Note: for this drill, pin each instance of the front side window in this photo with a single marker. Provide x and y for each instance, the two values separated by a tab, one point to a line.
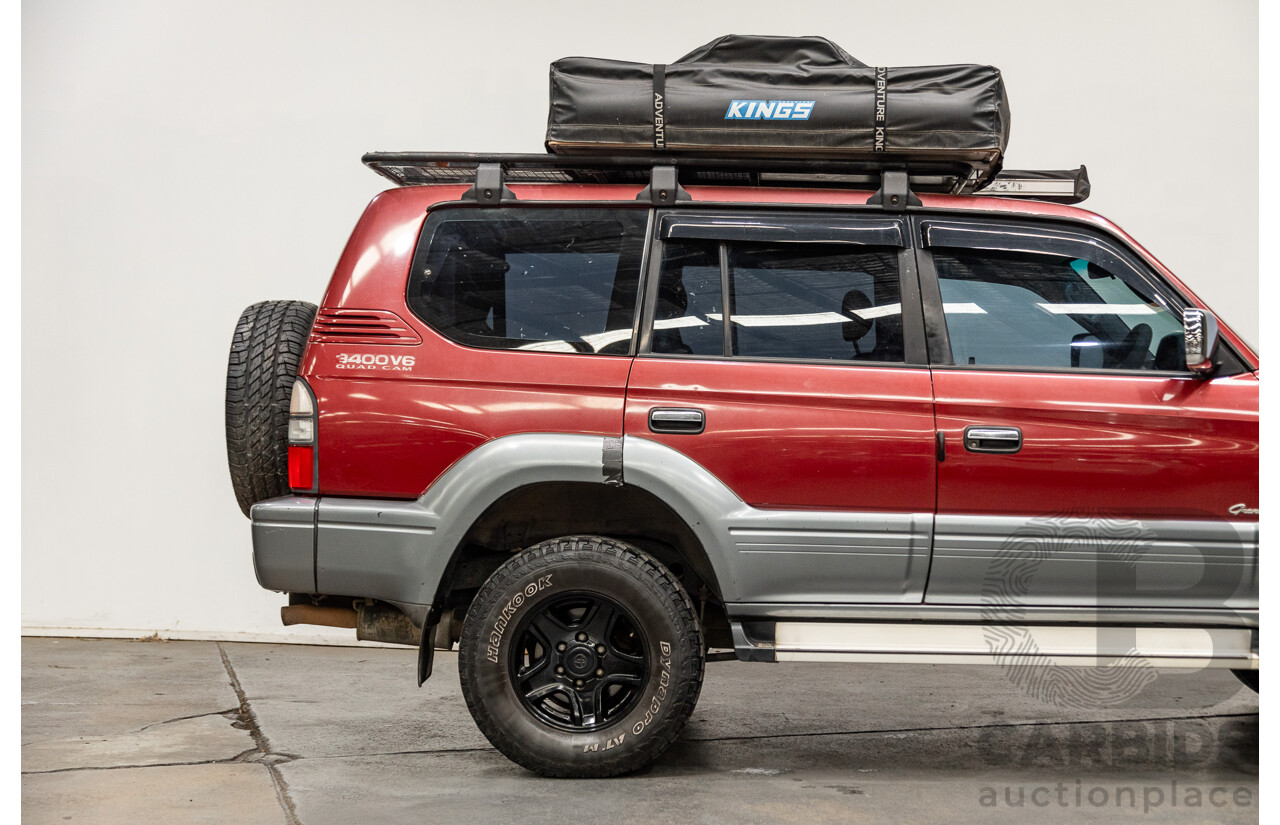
1029	309
794	301
552	280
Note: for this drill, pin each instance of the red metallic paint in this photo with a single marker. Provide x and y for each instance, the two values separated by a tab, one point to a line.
384	433
799	436
781	435
1125	445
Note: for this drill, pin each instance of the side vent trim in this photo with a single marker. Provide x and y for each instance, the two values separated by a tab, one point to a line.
362	326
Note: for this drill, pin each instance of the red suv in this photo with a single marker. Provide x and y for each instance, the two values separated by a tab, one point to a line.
594	418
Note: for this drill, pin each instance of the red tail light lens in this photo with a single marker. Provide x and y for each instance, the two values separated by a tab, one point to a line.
301	460
302	438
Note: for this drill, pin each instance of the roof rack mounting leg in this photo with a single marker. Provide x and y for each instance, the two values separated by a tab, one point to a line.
894	194
489	187
664	187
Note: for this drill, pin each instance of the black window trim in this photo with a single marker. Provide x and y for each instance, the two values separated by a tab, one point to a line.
775	227
1025	234
811	220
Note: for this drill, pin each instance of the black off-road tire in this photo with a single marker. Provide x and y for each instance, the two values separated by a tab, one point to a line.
518	600
265	353
1249	678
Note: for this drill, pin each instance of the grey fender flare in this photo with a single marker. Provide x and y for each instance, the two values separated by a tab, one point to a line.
703	501
400	551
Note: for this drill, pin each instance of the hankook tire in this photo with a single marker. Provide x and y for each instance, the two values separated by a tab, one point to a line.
581	656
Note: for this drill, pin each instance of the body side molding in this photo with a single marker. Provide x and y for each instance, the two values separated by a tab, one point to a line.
1206	563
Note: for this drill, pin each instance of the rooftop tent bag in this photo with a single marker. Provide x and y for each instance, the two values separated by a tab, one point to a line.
782	97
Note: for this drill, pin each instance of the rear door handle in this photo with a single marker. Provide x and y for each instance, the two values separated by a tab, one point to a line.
685	420
981	439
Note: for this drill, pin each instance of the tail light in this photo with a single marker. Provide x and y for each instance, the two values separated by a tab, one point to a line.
302	438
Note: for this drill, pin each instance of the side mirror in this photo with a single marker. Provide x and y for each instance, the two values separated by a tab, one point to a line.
1200	340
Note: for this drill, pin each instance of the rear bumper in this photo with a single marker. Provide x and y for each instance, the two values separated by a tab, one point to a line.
284	543
367	548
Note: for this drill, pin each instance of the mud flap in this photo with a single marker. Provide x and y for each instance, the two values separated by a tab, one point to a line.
426	650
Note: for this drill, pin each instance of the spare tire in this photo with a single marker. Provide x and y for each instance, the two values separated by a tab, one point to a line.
265	353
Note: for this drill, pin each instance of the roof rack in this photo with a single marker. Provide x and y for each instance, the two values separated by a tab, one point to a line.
417	168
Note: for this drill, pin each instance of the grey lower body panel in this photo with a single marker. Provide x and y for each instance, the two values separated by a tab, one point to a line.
366	548
831	557
378	549
346	547
284	544
1094	561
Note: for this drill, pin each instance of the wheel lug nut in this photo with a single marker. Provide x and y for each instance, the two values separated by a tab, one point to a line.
599	671
561	646
582	637
600	649
559	668
579	683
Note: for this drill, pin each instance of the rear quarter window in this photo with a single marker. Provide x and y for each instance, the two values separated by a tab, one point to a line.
551	280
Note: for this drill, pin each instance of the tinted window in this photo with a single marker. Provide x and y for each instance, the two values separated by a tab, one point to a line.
559	280
689	313
1035	310
800	301
807	301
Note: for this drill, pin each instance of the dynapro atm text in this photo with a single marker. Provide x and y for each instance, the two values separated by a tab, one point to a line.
769	110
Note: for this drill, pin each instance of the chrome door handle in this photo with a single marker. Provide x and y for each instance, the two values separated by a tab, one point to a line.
686	420
992	439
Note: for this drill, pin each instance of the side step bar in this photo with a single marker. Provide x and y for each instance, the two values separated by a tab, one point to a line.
977	644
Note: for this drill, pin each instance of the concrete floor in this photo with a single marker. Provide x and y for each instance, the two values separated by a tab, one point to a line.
204	732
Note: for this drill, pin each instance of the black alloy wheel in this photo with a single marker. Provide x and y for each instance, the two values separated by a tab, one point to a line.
579	662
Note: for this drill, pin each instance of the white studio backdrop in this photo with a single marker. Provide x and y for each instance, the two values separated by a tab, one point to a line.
183	160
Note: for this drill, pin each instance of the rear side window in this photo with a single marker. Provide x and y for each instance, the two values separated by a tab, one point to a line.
552	280
815	301
794	301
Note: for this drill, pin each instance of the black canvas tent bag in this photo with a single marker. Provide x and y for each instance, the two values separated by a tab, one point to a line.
781	97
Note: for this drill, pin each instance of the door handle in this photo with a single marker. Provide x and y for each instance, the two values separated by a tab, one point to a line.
992	439
685	420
